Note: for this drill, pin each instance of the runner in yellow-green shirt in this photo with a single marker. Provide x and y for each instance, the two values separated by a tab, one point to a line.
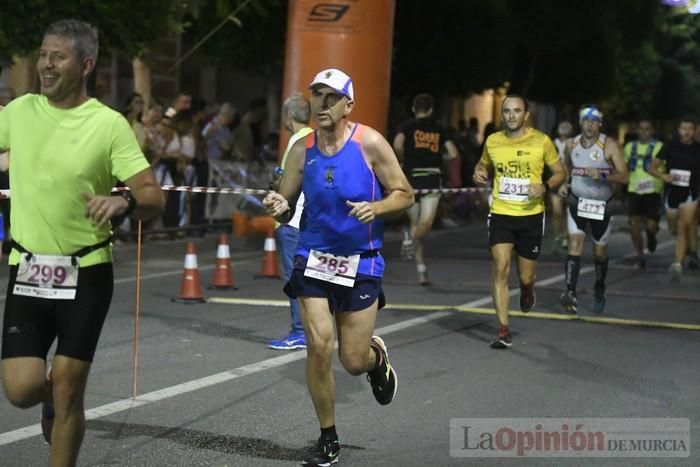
68	151
643	189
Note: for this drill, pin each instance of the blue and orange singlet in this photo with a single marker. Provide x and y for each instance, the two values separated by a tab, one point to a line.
330	181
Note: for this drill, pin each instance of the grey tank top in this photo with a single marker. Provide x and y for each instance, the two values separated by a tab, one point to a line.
583	186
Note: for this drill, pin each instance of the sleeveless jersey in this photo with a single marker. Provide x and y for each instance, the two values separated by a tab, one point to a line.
582	158
330	181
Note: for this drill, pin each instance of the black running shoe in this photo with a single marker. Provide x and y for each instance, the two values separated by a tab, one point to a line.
527	298
47	416
651	242
569	302
383	380
325	453
502	342
693	262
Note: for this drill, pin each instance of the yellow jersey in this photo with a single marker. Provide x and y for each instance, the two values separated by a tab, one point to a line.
517	163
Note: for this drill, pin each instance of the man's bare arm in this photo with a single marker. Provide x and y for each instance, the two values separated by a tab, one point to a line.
559	175
144	189
614	154
150	200
386	166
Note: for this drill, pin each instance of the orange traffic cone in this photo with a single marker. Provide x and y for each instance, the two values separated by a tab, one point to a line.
223	277
270	269
190	291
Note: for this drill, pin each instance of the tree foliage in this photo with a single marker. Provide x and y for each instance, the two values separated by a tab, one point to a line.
130	26
252	40
678	89
633	56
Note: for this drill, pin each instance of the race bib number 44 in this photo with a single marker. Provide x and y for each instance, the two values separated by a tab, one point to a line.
44	276
680	177
591	209
514	189
340	270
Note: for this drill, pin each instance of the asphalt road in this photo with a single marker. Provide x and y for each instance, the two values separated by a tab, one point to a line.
209	392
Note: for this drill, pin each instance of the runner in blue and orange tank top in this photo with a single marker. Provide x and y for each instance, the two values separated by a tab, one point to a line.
351	179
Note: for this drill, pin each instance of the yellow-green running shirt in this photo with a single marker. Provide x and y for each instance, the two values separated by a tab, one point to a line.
55	155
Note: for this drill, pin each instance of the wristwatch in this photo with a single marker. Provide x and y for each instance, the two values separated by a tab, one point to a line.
131	202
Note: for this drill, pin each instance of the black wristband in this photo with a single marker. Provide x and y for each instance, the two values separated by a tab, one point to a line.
131	202
546	186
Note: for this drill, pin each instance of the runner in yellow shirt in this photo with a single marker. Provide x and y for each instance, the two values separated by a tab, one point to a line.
515	158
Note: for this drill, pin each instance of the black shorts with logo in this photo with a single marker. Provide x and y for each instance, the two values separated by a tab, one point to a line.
524	232
366	291
647	205
677	195
31	324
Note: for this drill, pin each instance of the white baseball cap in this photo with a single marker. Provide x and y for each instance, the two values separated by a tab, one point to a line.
336	80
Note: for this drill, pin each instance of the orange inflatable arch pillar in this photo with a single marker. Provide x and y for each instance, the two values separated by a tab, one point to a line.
352	35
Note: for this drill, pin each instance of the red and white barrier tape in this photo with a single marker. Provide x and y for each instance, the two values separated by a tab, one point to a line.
5	194
465	189
251	191
205	189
